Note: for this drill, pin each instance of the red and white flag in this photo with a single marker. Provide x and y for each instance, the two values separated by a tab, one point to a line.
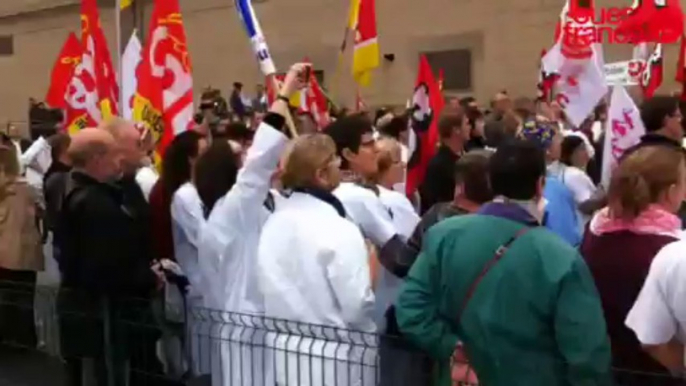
652	74
164	100
97	53
681	68
624	130
427	103
653	21
578	63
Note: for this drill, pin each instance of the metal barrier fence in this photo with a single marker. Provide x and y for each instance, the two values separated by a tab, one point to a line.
56	337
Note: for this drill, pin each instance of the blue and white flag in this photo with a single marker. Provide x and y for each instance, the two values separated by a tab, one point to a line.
259	44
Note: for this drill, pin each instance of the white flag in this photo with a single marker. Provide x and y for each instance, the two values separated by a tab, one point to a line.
624	129
129	81
581	82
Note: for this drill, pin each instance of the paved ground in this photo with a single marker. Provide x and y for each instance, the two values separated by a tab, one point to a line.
29	368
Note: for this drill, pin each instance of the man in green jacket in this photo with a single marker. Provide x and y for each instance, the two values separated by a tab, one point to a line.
520	299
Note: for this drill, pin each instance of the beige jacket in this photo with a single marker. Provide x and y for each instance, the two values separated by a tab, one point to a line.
21	247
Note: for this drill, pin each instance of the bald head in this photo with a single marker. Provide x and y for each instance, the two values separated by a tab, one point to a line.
93	151
129	143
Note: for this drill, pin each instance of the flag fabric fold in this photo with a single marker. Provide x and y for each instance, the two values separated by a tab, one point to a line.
652	73
578	64
254	31
624	130
63	71
426	105
164	96
97	52
366	55
653	21
129	81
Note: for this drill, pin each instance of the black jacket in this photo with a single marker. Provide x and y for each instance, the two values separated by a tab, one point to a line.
103	239
439	181
54	182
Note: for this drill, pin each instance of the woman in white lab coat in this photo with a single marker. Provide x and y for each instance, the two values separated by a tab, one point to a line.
314	269
228	245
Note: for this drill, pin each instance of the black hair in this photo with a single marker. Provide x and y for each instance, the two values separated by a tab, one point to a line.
239	131
466	101
347	133
215	174
176	166
395	126
474	115
472	171
656	109
569	145
516	168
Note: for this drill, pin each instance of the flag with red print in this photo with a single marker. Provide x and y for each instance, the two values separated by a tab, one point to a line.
95	47
546	81
652	74
653	21
427	103
624	130
63	71
578	62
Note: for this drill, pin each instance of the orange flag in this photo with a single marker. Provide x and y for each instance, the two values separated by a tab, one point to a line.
96	51
164	99
63	71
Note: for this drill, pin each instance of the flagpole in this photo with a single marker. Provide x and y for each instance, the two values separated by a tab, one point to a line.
117	21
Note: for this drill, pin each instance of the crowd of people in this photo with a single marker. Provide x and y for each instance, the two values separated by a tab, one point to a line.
511	256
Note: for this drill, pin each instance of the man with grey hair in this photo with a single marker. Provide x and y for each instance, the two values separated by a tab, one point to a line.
102	252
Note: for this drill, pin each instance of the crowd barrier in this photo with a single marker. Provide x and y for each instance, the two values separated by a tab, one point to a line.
68	338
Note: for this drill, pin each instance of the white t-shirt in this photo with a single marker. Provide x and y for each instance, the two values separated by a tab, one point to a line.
659	313
581	186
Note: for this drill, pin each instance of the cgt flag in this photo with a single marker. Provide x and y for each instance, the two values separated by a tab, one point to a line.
366	55
427	103
95	48
164	99
63	71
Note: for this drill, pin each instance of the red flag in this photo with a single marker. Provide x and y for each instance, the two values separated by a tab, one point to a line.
96	51
63	71
164	100
316	103
427	103
81	108
656	21
652	75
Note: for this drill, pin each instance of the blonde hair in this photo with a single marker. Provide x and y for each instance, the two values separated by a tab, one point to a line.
641	178
308	154
388	147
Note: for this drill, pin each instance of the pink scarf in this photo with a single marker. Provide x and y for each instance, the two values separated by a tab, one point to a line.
654	220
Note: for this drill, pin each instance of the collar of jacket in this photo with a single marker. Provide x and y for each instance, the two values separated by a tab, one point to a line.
509	211
350	176
325	196
658	139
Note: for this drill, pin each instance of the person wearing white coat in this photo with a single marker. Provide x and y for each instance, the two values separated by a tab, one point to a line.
314	269
227	253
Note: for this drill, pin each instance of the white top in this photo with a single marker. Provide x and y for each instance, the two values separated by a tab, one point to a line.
147	177
581	186
366	210
187	219
659	313
314	266
230	237
405	220
404	217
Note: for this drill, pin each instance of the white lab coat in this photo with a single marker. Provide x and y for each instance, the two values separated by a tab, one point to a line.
227	257
187	219
313	269
365	209
405	220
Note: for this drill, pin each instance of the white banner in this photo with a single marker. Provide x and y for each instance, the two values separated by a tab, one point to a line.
626	73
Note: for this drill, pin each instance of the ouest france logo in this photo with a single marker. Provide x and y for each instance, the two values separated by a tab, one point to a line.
612	25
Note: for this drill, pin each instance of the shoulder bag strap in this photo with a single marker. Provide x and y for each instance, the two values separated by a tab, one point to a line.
499	253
